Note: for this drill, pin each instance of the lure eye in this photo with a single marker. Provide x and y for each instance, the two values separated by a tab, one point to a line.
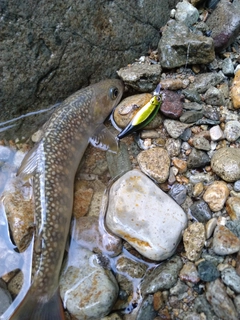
113	93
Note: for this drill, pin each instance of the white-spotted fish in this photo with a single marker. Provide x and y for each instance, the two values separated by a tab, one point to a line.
53	163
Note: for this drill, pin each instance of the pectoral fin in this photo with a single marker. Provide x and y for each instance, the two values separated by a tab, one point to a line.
104	139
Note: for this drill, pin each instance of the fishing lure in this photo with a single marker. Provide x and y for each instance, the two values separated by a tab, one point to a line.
144	115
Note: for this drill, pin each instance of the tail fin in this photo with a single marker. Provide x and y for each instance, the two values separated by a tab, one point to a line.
31	309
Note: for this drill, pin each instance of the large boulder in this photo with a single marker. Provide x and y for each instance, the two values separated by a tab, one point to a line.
50	48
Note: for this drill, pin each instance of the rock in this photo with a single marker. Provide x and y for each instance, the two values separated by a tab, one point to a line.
178	192
172	105
82	201
194	106
224	241
208	271
142	77
179	288
180	164
155	163
201	177
232	130
87	289
200	211
200	142
162	277
185	136
172	84
227	67
211	113
236	186
193	240
210	226
226	164
234	227
213	96
197	159
173	147
128	108
216	133
191	116
130	268
146	311
220	301
235	90
224	23
231	279
192	95
204	81
54	57
5	299
233	207
175	128
189	273
178	46
201	305
132	215
186	13
197	190
89	233
119	162
216	195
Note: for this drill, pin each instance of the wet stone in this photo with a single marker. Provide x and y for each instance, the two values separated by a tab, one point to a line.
132	215
130	268
233	207
191	116
155	163
189	273
234	227
231	279
118	162
175	128
197	159
208	271
82	201
222	305
226	163
201	211
227	67
178	192
193	240
232	130
172	105
213	96
163	277
173	147
82	274
201	305
216	195
224	241
146	311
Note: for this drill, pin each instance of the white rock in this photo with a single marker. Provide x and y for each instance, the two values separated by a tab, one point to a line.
145	216
232	130
216	133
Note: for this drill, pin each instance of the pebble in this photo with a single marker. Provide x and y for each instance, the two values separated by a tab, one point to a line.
172	105
173	147
178	192
194	106
155	163
146	311
234	227
189	273
200	177
211	112
194	240
206	80
233	207
197	159
180	164
208	271
226	163
216	195
220	301
87	289
231	279
172	84
201	143
216	133
232	130
82	202
142	77
235	90
227	67
130	268
213	96
191	116
186	13
197	189
119	162
162	277
5	299
175	128
200	211
192	95
224	241
132	215
236	186
210	226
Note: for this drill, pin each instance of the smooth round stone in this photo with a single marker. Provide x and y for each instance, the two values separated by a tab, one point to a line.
231	279
227	67
189	273
178	192
194	240
146	217
5	299
155	163
226	164
233	207
210	226
87	289
200	210
232	130
236	186
197	159
208	271
173	147
216	195
216	133
224	241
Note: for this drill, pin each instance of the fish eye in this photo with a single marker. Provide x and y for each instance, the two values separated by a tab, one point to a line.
113	93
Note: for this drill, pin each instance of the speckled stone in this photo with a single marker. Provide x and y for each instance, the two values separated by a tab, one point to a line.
189	273
175	128
205	80
233	207
172	105
180	164
222	305
193	240
224	241
216	195
197	159
226	163
173	147
231	279
232	130
201	143
186	13
213	96
143	215
155	163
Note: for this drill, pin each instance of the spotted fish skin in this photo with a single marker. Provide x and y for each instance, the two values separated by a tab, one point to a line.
53	163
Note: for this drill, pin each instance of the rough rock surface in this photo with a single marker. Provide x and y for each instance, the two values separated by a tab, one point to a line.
50	49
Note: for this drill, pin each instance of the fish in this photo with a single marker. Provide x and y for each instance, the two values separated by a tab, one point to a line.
52	164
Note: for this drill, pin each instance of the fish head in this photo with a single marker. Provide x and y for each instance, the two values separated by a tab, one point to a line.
108	94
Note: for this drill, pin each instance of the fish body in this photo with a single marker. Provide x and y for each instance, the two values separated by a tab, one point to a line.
53	163
143	117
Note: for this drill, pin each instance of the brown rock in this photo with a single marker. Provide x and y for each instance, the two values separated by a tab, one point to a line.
193	240
235	90
216	195
157	300
82	201
180	164
189	273
172	105
172	84
233	207
224	241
